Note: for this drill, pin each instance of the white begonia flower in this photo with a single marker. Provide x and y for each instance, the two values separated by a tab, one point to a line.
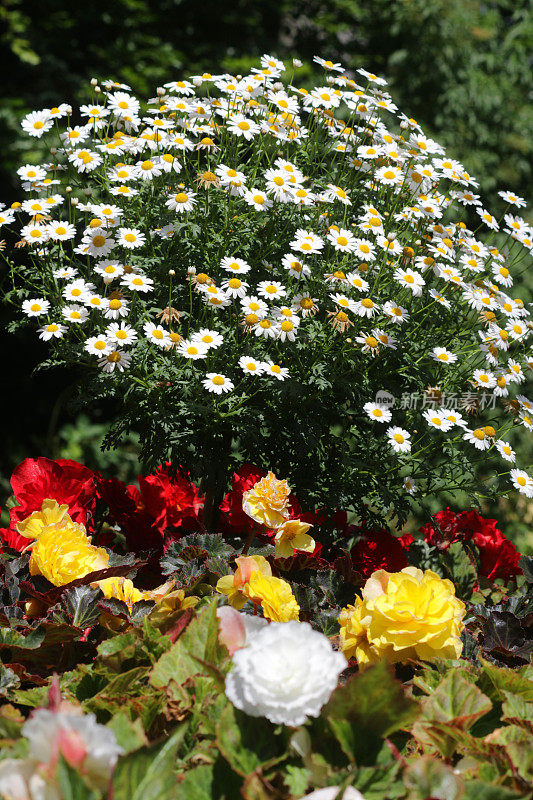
332	792
48	730
20	781
286	673
87	746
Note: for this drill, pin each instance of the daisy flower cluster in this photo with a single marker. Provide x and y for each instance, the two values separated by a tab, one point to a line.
231	233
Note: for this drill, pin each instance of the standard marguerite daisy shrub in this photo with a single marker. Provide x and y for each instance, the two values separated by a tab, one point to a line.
260	272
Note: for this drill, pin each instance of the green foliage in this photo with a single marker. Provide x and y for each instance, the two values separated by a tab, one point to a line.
369	707
148	774
195	652
454	730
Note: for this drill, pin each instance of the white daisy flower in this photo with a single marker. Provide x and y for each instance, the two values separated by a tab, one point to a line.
513	199
75	313
355	280
121	334
516	329
306	242
436	419
116	360
77	290
234	287
193	350
254	305
271	290
157	334
270	368
60	231
116	308
250	366
148	169
211	339
34	233
130	238
65	273
37	123
412	280
522	481
488	219
98	242
258	199
395	312
243	126
51	331
342	240
378	412
478	438
219	384
265	327
453	417
409	485
443	356
182	201
109	270
345	302
366	307
235	265
440	298
487	380
505	450
35	307
389	175
98	346
137	282
399	439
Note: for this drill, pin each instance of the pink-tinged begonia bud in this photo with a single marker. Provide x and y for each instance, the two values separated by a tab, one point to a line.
232	632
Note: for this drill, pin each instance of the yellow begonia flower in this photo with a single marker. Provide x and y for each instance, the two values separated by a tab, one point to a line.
267	502
276	597
121	589
51	513
403	615
63	553
292	535
170	603
236	586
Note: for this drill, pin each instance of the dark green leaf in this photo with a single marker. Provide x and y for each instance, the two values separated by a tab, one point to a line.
370	706
248	743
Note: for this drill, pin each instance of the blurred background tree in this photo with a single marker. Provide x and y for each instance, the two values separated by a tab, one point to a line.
462	68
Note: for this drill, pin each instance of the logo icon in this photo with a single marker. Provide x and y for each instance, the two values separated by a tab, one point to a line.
384	398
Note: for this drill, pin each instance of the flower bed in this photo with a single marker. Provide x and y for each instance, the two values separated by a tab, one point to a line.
143	656
251	273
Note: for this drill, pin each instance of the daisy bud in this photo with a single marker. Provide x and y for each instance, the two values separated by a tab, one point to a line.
197	81
87	192
97	90
161	91
391	237
296	63
404	125
74	201
53	151
94	82
278	87
191	270
172	272
68	189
